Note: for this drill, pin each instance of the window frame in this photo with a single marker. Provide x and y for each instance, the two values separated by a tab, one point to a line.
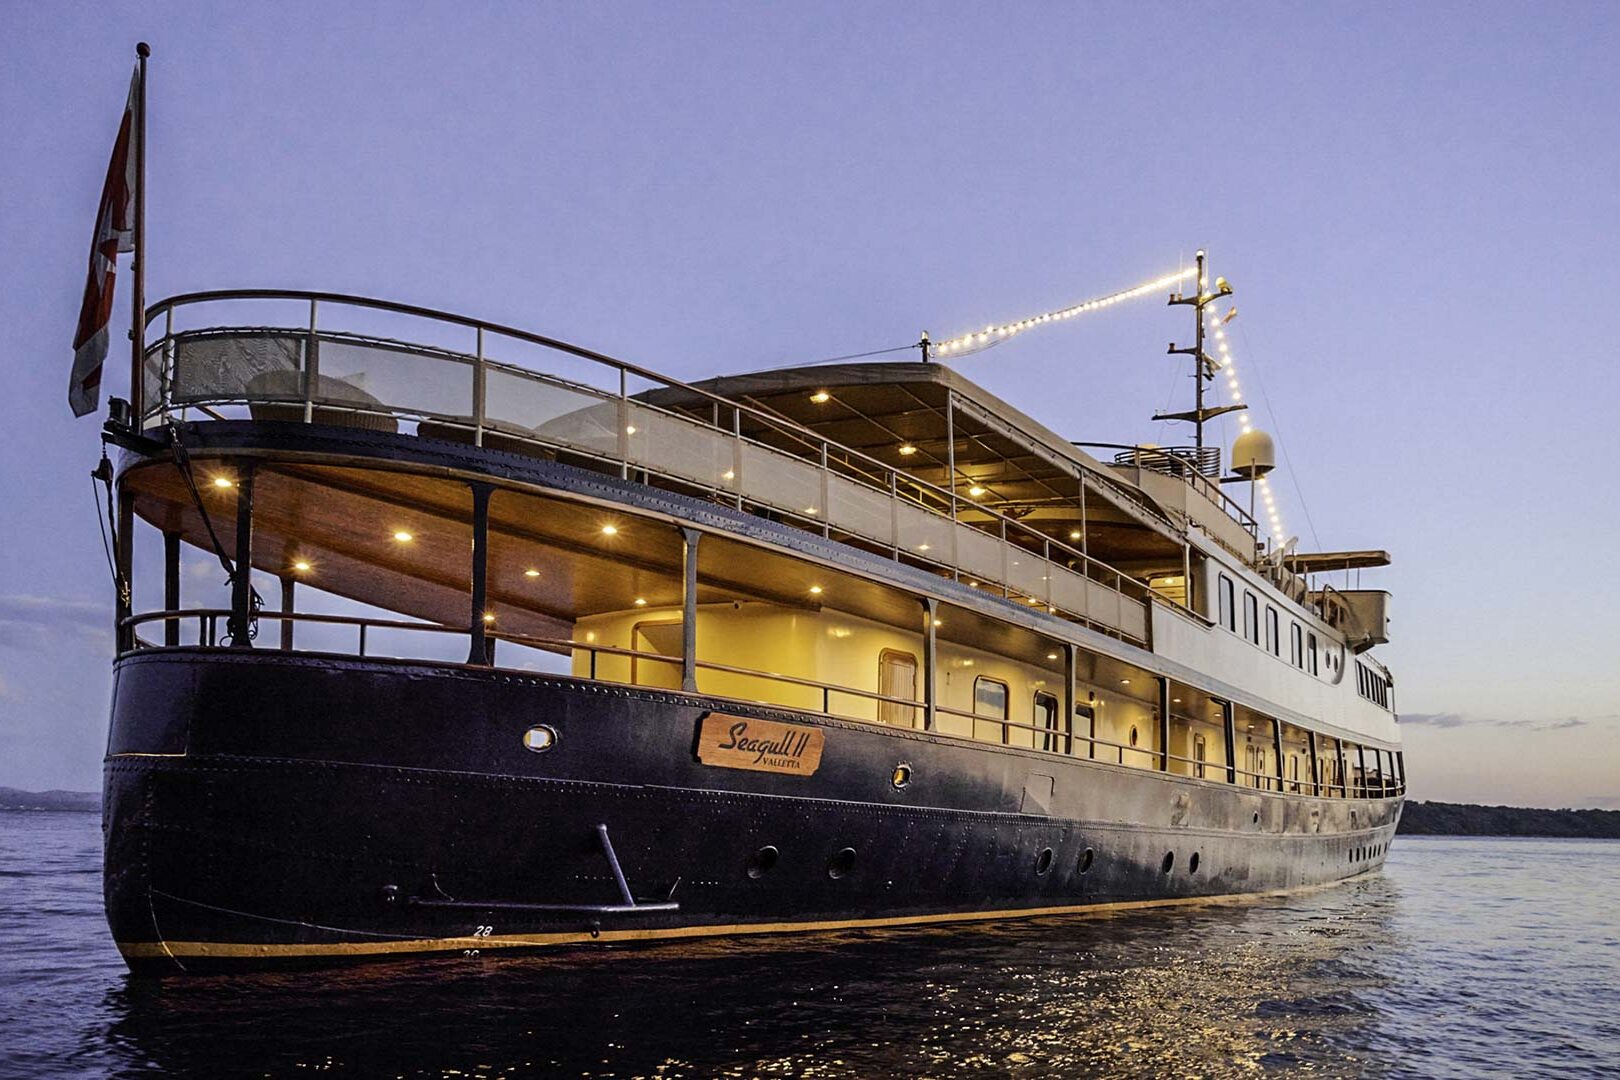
1226	602
1296	644
1048	723
883	707
1251	617
1273	632
1006	706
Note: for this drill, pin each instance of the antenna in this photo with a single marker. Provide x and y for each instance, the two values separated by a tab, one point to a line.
1204	366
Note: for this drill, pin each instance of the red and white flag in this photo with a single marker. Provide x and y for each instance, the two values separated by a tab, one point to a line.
115	232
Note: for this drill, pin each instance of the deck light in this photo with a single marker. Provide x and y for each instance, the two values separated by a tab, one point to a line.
531	573
641	601
610	530
821	397
906	449
939	622
815	590
224	482
975	491
1051	656
1175	701
631	430
1124	682
301	566
729	474
922	547
1074	534
403	537
489	616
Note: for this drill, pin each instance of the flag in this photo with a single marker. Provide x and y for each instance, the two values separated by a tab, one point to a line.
115	232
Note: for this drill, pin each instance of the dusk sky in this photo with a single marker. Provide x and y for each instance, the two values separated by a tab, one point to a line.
1416	204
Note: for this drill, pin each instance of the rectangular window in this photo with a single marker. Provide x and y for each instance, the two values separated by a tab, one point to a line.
897	678
1198	756
1228	605
1296	646
1046	718
1310	652
1273	638
1251	617
990	701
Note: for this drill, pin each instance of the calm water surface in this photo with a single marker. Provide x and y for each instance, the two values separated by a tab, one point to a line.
1465	958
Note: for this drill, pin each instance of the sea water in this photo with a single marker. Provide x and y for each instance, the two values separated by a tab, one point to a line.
1463	958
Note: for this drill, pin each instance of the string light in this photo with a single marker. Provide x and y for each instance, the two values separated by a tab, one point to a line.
1234	394
993	334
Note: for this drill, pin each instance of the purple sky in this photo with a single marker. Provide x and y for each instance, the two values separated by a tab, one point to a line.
1417	205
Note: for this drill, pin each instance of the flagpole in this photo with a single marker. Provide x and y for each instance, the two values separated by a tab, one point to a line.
137	292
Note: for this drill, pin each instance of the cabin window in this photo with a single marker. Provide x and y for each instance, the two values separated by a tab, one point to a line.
1296	645
1310	652
897	678
1251	617
1199	757
1273	638
1046	718
990	701
1228	604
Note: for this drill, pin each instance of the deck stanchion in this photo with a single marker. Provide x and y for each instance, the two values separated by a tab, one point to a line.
1227	721
930	661
480	375
312	363
1361	771
240	625
1344	775
479	651
123	635
689	592
1316	771
171	586
1069	702
1164	723
287	586
1277	743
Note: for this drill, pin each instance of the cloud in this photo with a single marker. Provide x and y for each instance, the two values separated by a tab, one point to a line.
1456	720
26	619
1439	720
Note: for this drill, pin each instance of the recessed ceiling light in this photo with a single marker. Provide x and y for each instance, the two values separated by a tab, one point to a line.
223	482
1176	700
641	601
301	566
1051	656
939	622
489	616
975	491
815	590
631	430
1124	682
810	510
1074	534
531	573
922	547
821	397
610	530
729	474
403	537
906	449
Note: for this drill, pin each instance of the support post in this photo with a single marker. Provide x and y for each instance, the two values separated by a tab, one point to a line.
950	445
1069	702
171	587
1164	724
478	653
1400	769
689	591
287	586
1316	771
1228	721
241	623
930	660
1344	773
1276	741
1361	768
124	635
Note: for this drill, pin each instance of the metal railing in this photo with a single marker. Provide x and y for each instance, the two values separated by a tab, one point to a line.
1043	738
675	431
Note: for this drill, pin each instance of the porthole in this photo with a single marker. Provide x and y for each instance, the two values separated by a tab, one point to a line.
763	861
1192	863
1257	817
901	776
841	864
1133	734
540	738
1085	859
1043	861
1169	862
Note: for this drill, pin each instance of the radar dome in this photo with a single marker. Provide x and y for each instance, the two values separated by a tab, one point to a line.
1253	455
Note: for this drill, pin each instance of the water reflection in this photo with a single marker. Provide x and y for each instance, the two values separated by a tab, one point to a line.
1270	984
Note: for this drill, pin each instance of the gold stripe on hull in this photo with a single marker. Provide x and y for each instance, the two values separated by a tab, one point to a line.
227	950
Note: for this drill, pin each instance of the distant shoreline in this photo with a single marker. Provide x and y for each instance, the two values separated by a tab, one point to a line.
1417	819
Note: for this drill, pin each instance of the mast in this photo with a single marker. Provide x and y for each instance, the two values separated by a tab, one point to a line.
1204	366
137	292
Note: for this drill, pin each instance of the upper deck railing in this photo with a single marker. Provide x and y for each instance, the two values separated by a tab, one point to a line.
395	364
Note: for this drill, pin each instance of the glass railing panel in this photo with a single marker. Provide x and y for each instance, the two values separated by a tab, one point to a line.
527	406
1102	603
1069	591
1133	618
775	479
978	553
376	377
859	509
261	365
1026	572
676	447
923	532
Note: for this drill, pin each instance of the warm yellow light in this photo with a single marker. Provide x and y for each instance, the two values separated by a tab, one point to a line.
1124	682
641	601
975	491
610	530
906	450
631	430
223	482
922	547
301	566
815	590
531	573
1074	534
810	510
403	537
939	622
489	616
1175	701
728	475
821	397
1051	656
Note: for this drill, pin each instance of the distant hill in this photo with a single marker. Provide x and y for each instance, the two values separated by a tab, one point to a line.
1466	819
12	799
